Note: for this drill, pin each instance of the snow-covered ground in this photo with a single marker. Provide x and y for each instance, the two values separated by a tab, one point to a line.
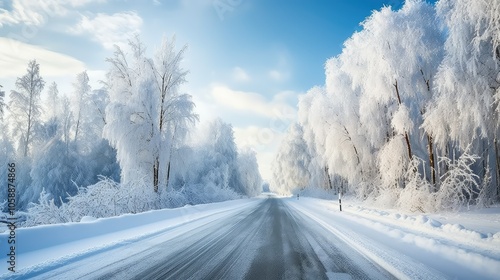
462	245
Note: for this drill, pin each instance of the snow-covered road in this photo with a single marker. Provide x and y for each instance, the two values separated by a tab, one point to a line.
266	238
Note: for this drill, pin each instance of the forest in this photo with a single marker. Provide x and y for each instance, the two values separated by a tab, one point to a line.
123	148
408	116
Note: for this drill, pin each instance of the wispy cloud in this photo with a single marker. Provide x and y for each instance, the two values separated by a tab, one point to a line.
278	76
37	13
15	56
251	102
109	30
240	75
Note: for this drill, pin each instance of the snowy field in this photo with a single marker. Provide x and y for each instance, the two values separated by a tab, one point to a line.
462	245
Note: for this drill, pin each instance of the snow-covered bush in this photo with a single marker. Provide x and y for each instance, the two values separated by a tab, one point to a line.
108	198
416	196
459	185
45	212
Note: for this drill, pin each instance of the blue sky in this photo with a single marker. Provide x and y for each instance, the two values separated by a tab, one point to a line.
249	60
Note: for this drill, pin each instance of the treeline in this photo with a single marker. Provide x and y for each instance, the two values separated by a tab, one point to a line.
408	116
123	148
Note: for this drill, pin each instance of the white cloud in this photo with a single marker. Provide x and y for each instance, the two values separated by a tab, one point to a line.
278	76
109	30
15	56
240	75
253	136
251	102
31	12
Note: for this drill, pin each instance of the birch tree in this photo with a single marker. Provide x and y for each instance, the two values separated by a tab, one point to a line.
80	101
465	111
147	112
25	107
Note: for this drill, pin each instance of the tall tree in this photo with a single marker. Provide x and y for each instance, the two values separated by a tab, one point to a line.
249	172
146	110
291	165
80	98
218	158
25	107
52	102
466	110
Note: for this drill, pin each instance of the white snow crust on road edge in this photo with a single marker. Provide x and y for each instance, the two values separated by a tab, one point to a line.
460	251
397	264
426	223
47	245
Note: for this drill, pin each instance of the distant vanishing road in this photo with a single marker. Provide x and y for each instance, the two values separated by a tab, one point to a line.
268	241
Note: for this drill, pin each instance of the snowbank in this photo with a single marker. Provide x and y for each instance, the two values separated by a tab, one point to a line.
42	244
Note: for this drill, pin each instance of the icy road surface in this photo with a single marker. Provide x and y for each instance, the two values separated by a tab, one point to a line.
261	238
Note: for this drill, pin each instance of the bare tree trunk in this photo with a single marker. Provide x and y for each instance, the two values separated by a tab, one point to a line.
431	160
353	146
155	174
30	117
430	140
407	138
168	173
327	172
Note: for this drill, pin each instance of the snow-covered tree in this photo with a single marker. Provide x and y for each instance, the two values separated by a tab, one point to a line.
147	112
465	110
291	165
80	100
92	121
215	167
58	170
25	107
219	155
66	122
99	99
249	172
394	72
52	102
60	166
